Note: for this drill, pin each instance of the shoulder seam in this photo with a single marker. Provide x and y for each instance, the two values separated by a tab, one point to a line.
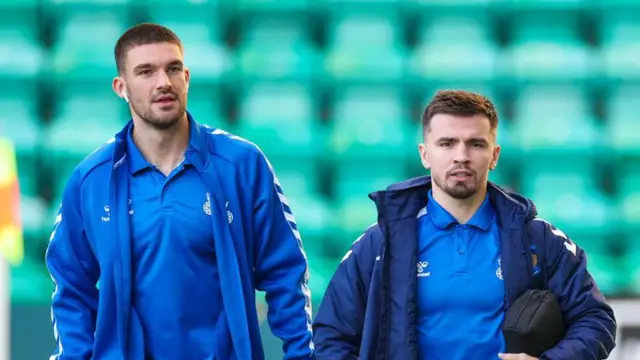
89	163
238	140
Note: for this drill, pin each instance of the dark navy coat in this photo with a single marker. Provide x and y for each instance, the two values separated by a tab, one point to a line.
369	310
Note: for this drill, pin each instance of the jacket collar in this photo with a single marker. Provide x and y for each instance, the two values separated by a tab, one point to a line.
443	219
407	198
197	151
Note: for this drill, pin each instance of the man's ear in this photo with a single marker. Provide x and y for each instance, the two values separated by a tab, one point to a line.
496	156
424	157
187	77
119	87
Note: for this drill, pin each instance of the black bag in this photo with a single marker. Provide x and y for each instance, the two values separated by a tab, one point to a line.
533	324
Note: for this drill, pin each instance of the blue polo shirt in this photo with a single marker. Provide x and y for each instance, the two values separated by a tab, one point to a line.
176	288
459	285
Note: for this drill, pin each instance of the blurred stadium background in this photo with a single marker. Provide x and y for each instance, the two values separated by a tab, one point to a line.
332	90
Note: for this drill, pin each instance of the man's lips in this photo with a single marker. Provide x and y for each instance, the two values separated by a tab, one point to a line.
461	172
165	99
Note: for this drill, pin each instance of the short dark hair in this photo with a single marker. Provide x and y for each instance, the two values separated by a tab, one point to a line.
142	34
459	103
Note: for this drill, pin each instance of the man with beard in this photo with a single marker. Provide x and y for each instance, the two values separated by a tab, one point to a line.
449	254
166	232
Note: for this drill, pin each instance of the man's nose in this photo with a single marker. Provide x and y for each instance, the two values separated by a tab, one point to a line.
164	82
461	154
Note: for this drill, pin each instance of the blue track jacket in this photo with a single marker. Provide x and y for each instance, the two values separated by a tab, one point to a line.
369	310
255	235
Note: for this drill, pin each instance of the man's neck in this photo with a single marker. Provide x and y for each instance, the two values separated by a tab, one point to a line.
163	148
461	209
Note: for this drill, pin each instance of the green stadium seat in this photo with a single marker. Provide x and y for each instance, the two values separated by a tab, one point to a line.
607	6
86	118
300	181
31	283
204	104
548	5
471	57
313	217
358	179
184	12
88	5
21	54
207	59
358	6
19	122
273	6
354	210
548	48
628	179
555	119
632	265
620	46
198	27
370	123
193	7
605	268
30	5
485	88
276	49
83	50
502	178
457	4
35	225
567	194
353	216
503	173
281	119
298	177
505	138
365	47
622	120
321	270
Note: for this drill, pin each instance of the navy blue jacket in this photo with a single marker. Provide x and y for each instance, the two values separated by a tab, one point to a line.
256	239
369	310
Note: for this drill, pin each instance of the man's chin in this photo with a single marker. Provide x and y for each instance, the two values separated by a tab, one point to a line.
165	120
163	123
461	191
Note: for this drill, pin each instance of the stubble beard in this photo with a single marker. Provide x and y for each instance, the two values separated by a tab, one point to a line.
459	191
159	122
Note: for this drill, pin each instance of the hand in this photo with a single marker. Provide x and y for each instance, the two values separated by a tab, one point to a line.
516	357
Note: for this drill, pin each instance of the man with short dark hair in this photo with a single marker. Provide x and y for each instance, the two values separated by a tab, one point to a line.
177	225
449	255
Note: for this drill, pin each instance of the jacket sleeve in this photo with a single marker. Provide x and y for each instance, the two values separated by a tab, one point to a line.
591	323
339	323
281	269
75	272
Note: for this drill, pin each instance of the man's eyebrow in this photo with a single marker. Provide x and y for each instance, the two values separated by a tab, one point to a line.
478	139
142	66
445	139
176	62
150	66
471	140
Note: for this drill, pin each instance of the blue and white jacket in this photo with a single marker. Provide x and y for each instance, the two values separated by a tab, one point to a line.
259	248
369	310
